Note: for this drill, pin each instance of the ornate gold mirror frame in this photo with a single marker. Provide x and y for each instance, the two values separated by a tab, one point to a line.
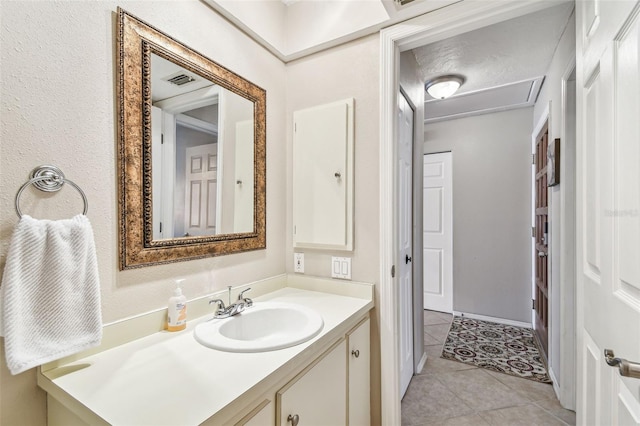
136	42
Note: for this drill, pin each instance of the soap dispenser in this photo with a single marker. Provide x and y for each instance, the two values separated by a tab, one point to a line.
177	315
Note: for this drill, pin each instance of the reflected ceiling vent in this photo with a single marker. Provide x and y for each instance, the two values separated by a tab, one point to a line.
403	2
179	79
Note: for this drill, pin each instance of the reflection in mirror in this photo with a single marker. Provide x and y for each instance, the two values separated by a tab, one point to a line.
202	136
191	152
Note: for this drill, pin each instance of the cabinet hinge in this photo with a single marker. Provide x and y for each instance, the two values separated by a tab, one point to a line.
533	232
161	138
393	271
294	230
295	127
533	159
533	304
160	227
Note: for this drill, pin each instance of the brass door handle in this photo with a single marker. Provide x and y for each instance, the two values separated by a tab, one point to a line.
626	368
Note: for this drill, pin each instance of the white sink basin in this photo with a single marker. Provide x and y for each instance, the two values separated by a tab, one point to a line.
266	326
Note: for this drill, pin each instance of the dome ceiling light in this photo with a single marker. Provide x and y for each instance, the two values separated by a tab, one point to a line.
444	86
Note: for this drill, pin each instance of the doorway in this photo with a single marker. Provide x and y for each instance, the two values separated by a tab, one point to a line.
541	238
435	26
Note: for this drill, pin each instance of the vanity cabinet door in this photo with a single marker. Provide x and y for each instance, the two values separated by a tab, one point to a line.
359	375
318	395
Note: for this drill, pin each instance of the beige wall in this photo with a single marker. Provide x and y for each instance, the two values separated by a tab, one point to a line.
491	211
350	70
58	106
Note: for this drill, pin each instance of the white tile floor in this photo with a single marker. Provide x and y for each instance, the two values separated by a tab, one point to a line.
451	393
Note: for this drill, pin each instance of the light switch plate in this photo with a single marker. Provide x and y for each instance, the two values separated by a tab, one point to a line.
298	262
341	267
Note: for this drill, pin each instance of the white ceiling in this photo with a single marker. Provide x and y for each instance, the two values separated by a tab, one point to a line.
504	64
492	60
291	29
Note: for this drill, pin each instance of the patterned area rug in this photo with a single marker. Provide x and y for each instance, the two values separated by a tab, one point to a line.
498	347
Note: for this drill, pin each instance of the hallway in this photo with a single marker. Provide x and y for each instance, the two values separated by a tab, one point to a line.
452	393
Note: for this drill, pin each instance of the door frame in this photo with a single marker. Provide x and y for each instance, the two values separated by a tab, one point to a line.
434	26
566	386
544	120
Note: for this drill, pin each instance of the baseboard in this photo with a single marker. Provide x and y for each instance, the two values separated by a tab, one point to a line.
556	387
493	319
422	363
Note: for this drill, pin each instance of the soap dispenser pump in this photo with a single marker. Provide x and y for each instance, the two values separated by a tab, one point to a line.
177	312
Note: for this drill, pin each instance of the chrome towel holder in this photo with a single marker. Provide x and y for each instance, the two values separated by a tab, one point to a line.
49	178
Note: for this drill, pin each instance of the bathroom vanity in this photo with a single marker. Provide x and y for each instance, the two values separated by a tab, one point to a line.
144	376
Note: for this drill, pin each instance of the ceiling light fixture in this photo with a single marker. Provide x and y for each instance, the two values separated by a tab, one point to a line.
444	86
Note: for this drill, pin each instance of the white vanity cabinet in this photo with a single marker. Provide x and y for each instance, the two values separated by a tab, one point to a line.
318	395
359	387
335	390
323	382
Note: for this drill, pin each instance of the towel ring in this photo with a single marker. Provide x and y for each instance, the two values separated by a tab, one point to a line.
49	178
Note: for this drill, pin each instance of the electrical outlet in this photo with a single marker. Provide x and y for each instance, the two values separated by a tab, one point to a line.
298	262
341	267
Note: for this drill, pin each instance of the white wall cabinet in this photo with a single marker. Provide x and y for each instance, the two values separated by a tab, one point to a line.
323	176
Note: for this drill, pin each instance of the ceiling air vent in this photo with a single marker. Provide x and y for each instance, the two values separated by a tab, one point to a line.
403	2
180	79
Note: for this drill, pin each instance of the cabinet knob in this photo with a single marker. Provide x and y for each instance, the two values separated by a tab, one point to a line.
355	353
293	419
338	175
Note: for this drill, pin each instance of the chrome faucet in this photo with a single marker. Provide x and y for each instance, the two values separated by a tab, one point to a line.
233	309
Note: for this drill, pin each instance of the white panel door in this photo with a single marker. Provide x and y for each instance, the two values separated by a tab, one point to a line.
243	194
608	209
437	225
201	189
405	240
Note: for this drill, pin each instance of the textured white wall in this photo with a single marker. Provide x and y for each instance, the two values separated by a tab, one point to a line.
58	106
491	211
350	70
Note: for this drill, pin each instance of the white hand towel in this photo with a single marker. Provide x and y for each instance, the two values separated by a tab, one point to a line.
50	292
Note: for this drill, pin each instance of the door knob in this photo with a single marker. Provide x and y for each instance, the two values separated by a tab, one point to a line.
355	353
626	368
407	259
293	419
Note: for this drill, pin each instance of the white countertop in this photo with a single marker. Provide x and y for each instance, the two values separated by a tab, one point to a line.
170	379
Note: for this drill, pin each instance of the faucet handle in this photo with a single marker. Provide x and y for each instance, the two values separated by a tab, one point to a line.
220	303
246	300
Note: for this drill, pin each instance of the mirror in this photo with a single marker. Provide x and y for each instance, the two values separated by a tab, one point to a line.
191	152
